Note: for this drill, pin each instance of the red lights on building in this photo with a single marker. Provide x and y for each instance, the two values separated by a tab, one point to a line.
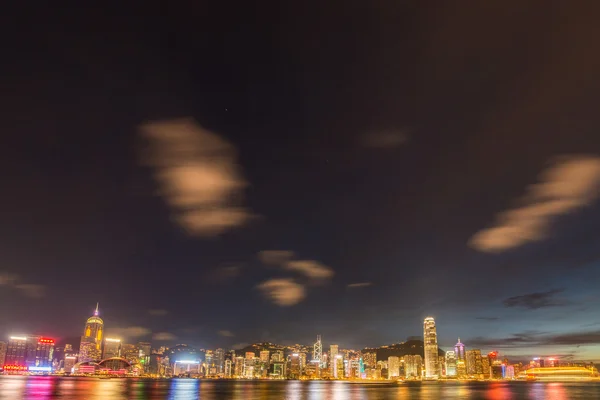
46	341
15	368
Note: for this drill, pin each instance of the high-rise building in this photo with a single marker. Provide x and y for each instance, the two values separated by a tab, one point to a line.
450	363
130	352
485	367
413	366
370	359
31	351
220	360
264	356
333	353
459	349
144	351
43	353
318	350
393	367
90	348
239	366
70	361
2	353
16	352
112	348
431	348
295	368
474	366
228	370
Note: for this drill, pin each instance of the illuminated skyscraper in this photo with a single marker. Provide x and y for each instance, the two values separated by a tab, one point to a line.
370	359
413	366
431	348
393	367
450	363
333	352
459	349
16	352
112	348
227	372
318	350
90	348
220	361
474	365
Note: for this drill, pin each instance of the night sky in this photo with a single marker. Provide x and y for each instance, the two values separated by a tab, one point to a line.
220	173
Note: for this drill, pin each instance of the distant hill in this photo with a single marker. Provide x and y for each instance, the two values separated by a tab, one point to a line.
410	347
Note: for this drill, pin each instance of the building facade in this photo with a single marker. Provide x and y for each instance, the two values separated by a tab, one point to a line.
432	369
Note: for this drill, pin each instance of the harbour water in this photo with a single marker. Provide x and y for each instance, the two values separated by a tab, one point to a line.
46	388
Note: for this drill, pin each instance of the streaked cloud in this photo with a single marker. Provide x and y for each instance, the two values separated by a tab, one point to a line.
533	301
225	333
32	290
275	257
310	268
198	176
384	139
130	332
359	285
282	291
226	272
163	336
8	279
532	339
158	312
566	186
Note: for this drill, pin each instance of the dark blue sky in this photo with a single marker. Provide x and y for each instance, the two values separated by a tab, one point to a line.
373	141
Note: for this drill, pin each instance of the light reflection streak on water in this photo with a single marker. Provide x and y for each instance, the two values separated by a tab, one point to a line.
184	389
498	391
548	391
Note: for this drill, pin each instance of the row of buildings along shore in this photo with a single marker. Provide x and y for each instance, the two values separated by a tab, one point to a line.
415	359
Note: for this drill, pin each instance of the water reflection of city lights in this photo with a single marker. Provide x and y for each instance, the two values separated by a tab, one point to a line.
183	389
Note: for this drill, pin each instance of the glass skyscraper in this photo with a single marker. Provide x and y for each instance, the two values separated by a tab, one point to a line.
432	369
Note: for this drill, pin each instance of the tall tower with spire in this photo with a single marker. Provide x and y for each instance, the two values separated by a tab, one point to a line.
90	348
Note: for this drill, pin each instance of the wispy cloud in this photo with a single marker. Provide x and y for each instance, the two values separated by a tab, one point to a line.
310	268
359	285
32	290
564	187
283	291
163	336
225	333
130	332
275	257
158	312
198	176
384	139
533	301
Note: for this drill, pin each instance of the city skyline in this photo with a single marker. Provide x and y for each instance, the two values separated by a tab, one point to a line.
94	345
218	175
